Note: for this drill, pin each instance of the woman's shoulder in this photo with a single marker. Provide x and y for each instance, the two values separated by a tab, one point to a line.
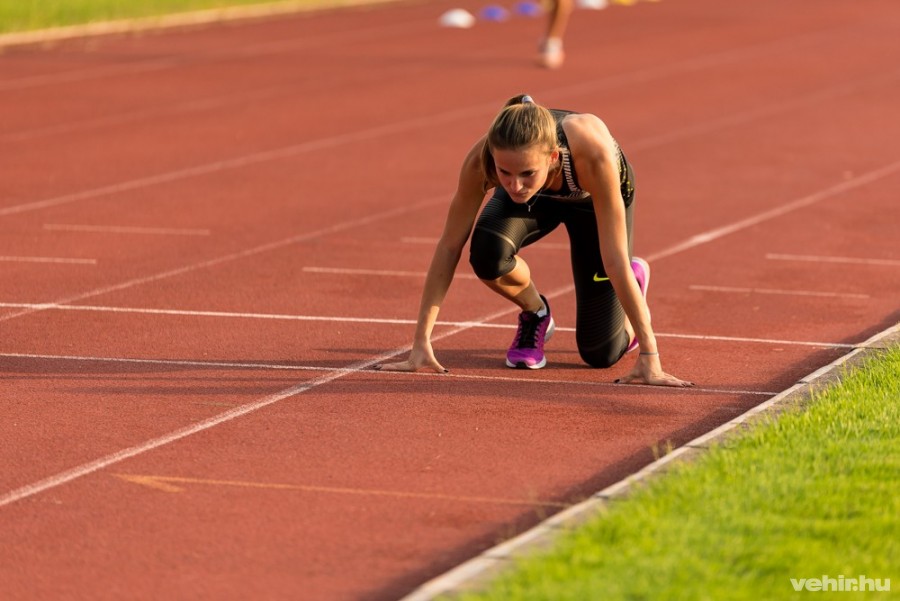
586	132
583	124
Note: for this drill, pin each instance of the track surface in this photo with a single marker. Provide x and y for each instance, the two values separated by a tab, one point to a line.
209	236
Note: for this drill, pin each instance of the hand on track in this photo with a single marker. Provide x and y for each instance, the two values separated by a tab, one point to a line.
421	356
648	370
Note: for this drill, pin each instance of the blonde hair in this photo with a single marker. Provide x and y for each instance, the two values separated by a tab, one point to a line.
519	125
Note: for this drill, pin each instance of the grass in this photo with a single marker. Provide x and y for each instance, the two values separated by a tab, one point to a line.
27	15
813	493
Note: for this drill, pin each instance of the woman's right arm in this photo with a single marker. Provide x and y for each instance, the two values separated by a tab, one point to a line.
460	218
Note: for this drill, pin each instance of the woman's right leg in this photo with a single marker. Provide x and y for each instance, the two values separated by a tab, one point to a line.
501	230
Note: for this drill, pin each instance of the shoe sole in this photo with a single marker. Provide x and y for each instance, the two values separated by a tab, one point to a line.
522	365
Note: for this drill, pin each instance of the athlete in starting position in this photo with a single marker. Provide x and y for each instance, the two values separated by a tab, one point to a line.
548	167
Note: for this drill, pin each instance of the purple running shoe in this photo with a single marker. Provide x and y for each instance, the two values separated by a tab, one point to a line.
527	350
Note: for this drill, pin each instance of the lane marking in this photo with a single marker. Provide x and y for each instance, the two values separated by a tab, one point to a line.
827	259
768	110
415	240
201	104
262	248
252	50
87	74
121	455
248	160
774	341
225	314
458	376
782	209
542	245
380	272
409	125
378	320
170	362
483	565
777	291
90	467
170	484
282	46
56	260
122	229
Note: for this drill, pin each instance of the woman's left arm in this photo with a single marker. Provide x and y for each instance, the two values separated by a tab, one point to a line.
596	158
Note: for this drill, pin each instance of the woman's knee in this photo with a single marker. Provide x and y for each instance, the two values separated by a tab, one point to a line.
603	356
490	257
488	268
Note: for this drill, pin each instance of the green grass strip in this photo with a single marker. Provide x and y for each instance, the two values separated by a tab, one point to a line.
28	15
812	493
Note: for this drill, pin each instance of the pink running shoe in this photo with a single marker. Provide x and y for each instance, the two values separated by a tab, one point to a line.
527	350
641	271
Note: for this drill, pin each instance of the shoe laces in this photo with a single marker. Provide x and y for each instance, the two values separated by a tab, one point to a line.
528	330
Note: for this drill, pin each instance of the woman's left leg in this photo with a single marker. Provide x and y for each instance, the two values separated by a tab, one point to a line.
601	327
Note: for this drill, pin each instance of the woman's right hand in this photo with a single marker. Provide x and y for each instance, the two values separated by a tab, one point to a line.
421	356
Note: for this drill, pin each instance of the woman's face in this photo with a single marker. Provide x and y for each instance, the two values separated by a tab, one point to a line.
523	172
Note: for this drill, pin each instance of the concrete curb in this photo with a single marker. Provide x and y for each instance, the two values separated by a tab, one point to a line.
187	19
476	573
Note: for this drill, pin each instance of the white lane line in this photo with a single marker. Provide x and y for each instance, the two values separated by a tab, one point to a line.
380	320
113	458
282	46
333	141
414	240
541	246
87	74
251	159
168	362
737	289
380	272
782	209
201	104
56	260
773	341
123	229
88	468
262	248
85	469
715	124
248	51
219	314
276	366
827	259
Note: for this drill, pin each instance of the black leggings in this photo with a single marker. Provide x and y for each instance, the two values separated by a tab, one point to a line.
504	227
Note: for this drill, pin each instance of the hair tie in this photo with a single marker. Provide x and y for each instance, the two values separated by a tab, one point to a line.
526	99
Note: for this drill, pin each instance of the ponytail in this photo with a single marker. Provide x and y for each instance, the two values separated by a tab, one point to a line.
520	124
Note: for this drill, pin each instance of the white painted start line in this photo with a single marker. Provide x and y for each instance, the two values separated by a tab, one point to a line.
383	321
423	374
52	260
828	259
124	229
782	292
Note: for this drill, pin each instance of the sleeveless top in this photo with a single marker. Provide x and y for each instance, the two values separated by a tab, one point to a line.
570	189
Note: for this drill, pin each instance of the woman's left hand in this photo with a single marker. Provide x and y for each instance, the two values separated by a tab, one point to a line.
648	370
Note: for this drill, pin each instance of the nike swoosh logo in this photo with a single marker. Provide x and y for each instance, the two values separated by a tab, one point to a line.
597	278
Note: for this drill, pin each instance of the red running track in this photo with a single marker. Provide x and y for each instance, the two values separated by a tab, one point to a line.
210	235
